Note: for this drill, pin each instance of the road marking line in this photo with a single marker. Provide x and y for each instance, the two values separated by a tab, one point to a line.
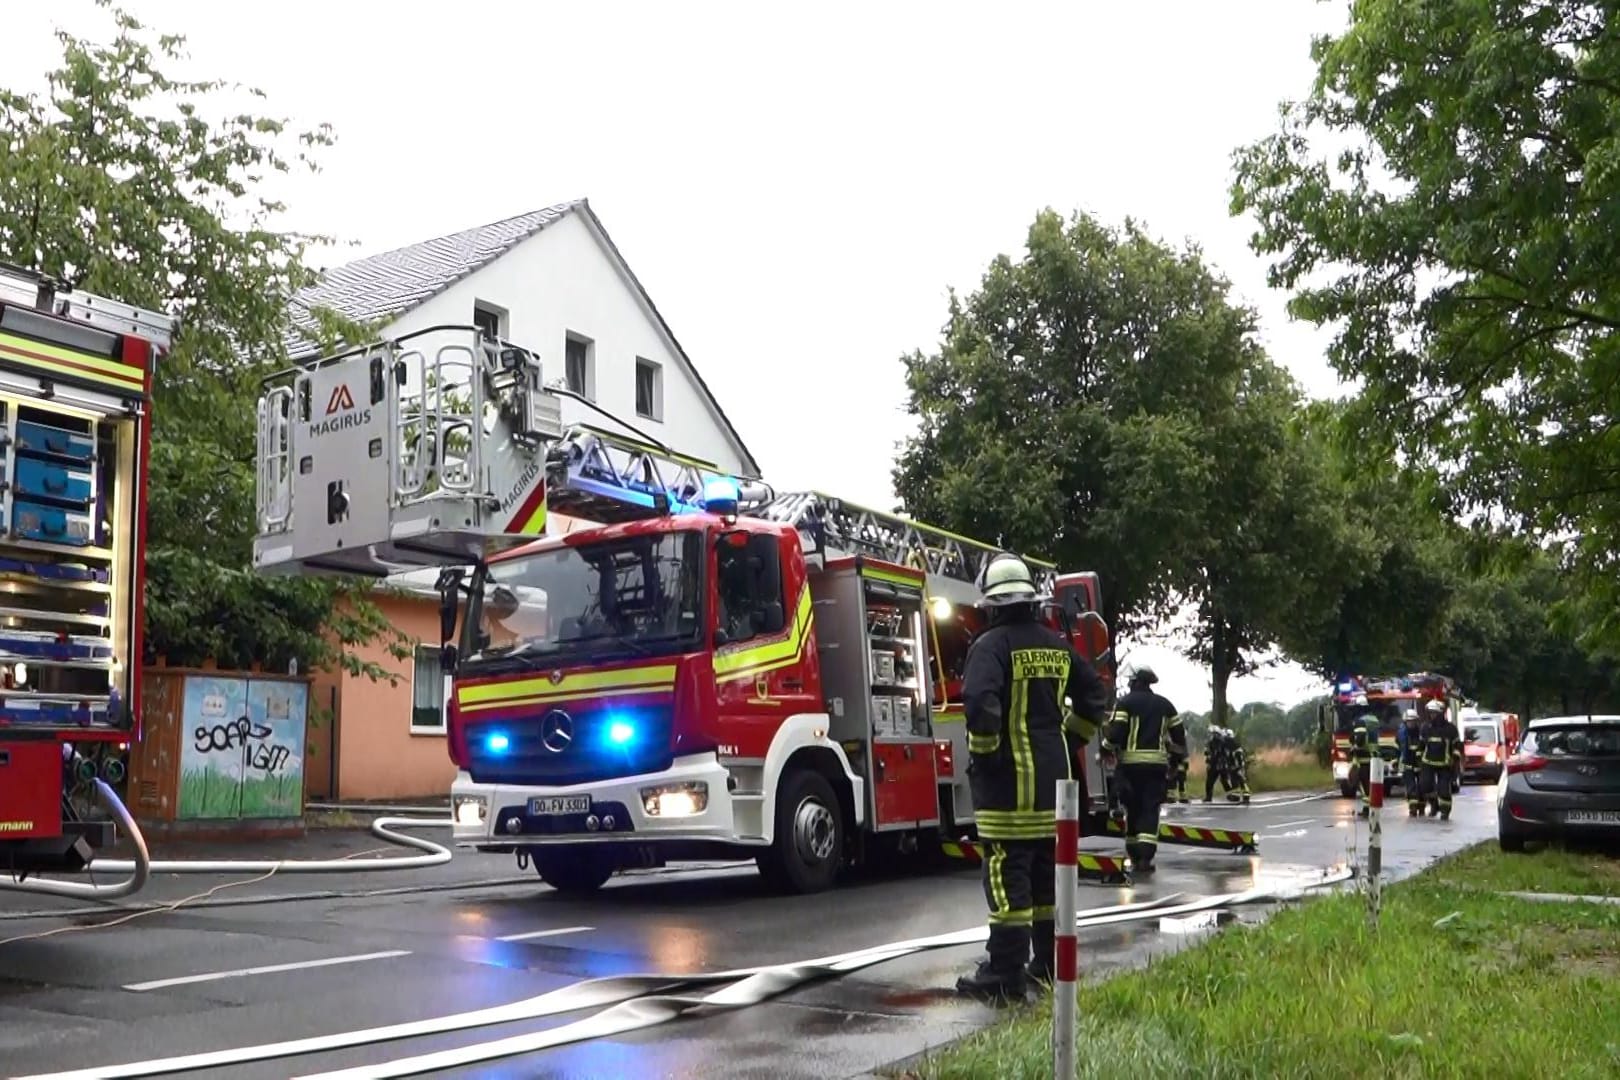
266	970
1285	824
545	933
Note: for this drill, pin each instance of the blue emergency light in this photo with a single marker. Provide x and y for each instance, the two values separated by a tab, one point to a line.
621	732
496	742
721	496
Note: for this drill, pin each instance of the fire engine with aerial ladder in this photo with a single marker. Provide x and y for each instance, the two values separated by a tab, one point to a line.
711	669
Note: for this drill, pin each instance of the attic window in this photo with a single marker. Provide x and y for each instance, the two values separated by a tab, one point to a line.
490	319
649	390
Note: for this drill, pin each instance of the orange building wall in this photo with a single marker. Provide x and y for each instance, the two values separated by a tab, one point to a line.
378	756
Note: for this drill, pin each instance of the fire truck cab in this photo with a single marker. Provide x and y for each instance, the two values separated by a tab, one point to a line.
713	671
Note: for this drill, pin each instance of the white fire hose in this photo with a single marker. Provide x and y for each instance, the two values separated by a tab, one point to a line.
640	1001
143	865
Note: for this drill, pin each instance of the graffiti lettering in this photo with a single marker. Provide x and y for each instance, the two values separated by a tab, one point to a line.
245	735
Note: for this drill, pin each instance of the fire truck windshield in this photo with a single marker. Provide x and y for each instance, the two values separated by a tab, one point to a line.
639	595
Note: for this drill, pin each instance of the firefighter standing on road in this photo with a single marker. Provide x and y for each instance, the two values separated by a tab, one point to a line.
1442	748
1176	791
1411	749
1237	769
1014	682
1363	745
1215	762
1140	737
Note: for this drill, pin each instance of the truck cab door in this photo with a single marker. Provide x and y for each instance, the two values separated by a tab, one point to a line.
765	661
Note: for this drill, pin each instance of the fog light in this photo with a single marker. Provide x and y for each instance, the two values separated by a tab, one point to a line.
1490	757
1341	770
675	800
471	810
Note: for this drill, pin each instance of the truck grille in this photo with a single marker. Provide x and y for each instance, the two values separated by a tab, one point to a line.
590	754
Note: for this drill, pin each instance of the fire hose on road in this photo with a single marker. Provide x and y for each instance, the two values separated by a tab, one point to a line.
643	1001
140	868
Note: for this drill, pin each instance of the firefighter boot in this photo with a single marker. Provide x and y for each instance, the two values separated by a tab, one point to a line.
1043	946
1000	977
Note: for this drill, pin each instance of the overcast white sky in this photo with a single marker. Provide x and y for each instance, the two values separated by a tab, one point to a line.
797	185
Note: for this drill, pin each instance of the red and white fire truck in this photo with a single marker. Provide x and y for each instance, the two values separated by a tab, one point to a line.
1389	697
712	670
75	388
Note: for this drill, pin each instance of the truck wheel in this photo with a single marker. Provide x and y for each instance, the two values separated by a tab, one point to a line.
1348	791
573	873
808	846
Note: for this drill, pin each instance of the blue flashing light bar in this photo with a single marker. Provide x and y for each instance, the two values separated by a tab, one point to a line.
496	742
621	732
721	495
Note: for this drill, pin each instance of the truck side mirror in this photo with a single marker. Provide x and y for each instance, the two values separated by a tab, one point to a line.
1321	719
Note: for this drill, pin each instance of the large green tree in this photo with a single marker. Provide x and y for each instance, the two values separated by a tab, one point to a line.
1445	197
149	189
1103	403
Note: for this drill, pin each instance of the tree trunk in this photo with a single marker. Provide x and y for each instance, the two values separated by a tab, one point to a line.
1220	673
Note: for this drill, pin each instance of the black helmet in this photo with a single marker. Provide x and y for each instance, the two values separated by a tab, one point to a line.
1144	675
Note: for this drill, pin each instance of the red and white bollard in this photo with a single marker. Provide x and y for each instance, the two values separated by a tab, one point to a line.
1375	836
1066	964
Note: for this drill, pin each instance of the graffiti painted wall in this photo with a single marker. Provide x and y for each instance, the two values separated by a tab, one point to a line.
242	752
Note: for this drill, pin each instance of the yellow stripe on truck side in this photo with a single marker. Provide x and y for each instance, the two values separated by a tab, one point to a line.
748	660
71	363
582	684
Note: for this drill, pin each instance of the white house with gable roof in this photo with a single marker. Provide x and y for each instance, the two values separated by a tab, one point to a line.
553	282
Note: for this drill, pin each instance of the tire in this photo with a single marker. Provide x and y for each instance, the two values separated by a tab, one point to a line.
807	848
1347	791
1510	843
573	872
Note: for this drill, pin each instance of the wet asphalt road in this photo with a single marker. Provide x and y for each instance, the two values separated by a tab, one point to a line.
67	1002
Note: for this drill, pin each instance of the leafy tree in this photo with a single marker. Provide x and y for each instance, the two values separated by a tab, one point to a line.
1064	412
130	183
1463	245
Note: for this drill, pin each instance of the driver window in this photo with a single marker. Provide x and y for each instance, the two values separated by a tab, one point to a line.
749	586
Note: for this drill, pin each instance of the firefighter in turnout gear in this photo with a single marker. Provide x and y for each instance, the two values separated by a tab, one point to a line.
1140	737
1176	791
1237	769
1014	682
1215	759
1442	750
1363	745
1411	752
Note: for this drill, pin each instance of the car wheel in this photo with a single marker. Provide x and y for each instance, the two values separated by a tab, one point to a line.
808	846
573	872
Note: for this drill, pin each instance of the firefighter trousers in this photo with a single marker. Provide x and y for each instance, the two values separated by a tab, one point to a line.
1213	773
1142	790
1364	780
1437	787
1020	884
1414	793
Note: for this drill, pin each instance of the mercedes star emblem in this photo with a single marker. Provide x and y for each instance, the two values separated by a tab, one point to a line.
556	677
556	731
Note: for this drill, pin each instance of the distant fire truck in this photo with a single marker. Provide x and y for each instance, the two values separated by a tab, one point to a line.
1388	698
75	389
715	669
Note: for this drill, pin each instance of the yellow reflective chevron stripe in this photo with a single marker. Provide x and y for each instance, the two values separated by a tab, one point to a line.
577	686
746	660
72	364
983	744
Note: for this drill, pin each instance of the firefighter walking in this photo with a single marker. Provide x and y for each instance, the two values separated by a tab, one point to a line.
1363	745
1411	751
1442	751
1139	737
1014	682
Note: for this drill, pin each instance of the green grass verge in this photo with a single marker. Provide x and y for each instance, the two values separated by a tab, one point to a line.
1273	769
1454	981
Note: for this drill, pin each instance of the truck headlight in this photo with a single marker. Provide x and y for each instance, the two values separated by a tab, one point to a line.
675	800
471	809
1341	770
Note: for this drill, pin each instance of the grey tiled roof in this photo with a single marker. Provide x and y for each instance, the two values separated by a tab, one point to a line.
398	280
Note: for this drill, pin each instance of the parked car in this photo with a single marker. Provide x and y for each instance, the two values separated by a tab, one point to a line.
1485	748
1562	781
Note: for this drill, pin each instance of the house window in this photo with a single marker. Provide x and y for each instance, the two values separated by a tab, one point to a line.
577	364
649	389
490	319
430	691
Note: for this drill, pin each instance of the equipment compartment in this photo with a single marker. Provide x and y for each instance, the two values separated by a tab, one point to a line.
51	524
57	483
44	439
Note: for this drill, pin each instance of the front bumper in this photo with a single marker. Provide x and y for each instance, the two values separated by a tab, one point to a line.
499	815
